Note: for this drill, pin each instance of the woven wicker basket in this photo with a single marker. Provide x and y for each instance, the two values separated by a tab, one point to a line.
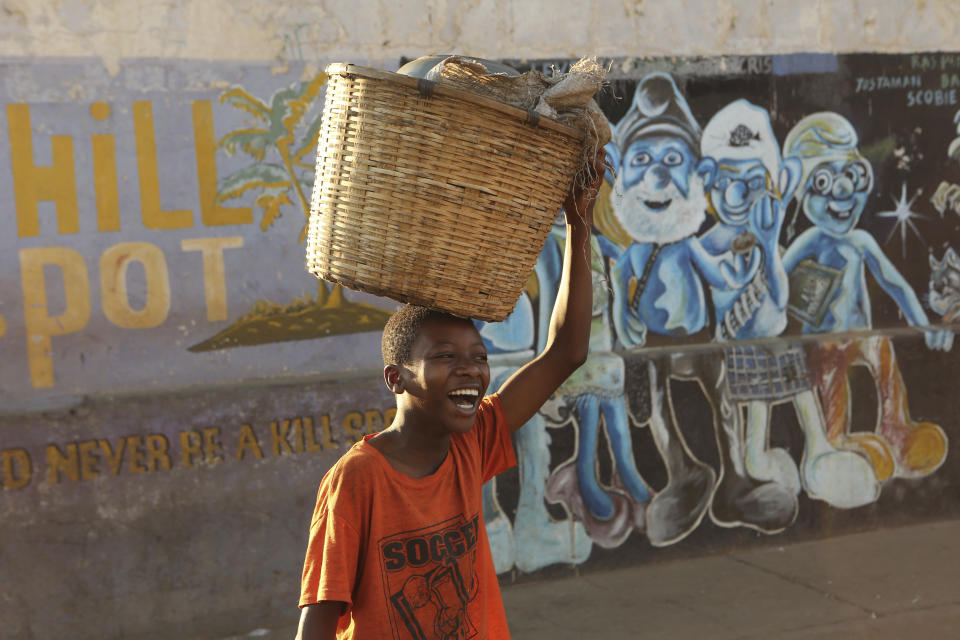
433	195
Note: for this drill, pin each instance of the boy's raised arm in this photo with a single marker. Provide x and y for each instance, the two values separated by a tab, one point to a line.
568	341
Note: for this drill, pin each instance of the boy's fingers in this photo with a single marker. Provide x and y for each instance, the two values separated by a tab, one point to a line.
599	166
581	194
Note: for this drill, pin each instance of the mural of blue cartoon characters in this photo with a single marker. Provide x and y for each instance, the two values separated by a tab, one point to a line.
534	540
829	261
659	202
749	186
596	391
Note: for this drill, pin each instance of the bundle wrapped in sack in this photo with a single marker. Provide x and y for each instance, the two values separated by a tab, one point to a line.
441	190
566	97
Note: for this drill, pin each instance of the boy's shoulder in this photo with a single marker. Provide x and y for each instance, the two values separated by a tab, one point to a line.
358	462
490	410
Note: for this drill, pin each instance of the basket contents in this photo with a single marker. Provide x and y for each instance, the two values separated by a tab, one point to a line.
432	194
565	97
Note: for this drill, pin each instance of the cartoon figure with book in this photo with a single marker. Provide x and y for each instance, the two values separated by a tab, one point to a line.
749	185
832	259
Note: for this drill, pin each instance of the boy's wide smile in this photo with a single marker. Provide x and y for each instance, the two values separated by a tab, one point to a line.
466	398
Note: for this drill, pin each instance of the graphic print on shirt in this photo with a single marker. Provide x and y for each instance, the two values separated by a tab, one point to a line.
430	579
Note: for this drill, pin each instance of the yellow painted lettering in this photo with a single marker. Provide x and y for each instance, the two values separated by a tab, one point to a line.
113	283
58	462
204	140
114	456
105	182
154	217
389	415
135	454
248	442
279	433
211	445
353	425
17	468
299	439
190	446
33	184
328	441
40	325
88	459
105	173
310	443
214	272
326	437
157	456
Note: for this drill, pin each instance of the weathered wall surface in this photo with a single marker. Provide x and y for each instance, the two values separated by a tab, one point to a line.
162	516
381	31
174	385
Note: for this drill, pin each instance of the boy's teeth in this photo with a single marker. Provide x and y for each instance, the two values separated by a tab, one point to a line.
464	398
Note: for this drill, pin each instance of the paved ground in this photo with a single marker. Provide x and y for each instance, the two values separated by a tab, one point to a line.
896	584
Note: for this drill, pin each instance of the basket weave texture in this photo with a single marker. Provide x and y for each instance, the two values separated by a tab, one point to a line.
432	195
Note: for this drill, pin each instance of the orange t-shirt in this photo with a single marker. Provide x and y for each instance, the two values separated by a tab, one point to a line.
410	556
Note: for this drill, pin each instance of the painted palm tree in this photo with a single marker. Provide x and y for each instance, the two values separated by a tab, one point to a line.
279	132
282	144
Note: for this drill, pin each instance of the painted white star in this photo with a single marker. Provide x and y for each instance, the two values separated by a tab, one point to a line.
904	217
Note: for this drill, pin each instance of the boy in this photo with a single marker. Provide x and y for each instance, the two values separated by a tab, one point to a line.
397	546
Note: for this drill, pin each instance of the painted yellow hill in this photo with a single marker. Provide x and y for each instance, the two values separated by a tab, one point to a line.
305	319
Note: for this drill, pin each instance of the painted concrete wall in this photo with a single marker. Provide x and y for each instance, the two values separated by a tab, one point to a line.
174	385
381	31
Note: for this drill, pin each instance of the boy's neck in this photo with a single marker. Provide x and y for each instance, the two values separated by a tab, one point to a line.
412	449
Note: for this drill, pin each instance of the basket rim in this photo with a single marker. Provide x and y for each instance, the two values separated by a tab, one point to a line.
348	69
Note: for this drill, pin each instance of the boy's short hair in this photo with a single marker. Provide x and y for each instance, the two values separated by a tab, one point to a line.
402	330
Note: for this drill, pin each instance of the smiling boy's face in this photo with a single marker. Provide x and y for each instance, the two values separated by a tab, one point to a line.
447	374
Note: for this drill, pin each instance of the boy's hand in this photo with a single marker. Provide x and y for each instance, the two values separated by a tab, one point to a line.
578	206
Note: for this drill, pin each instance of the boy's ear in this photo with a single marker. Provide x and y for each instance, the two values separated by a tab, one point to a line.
391	376
707	170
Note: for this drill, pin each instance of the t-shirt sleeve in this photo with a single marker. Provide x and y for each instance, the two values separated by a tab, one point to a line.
333	552
496	446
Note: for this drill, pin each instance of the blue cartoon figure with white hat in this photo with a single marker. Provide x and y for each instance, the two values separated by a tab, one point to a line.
749	186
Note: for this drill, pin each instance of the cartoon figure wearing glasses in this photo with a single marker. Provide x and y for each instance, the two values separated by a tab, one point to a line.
836	181
658	204
749	187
